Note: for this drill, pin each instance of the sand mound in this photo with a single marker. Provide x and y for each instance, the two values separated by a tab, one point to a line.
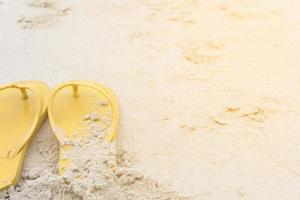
96	171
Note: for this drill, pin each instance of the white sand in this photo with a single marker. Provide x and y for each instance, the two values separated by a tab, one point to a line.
208	90
96	170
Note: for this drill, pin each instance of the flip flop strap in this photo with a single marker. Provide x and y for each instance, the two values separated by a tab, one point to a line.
13	151
115	114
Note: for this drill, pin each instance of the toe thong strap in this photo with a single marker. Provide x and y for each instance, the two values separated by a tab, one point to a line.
15	149
76	93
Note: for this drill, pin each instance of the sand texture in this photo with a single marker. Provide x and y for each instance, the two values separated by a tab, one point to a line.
208	91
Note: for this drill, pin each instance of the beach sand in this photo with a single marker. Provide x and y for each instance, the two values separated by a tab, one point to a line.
208	90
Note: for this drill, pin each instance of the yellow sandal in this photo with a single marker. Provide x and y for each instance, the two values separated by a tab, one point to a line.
69	103
23	108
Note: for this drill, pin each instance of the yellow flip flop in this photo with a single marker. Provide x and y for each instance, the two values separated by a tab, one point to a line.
23	108
70	102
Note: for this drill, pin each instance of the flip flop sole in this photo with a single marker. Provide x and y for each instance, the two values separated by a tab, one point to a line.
20	119
70	102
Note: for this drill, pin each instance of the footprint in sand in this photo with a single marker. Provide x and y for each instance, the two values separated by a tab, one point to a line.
139	35
47	14
256	115
200	52
189	129
42	4
247	12
179	12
